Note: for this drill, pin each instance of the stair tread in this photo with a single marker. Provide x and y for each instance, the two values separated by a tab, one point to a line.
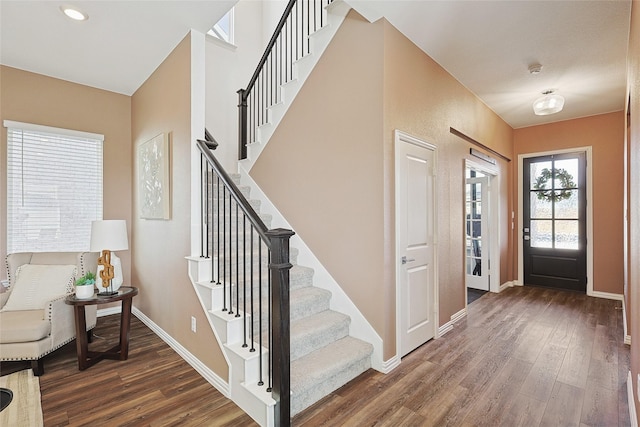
327	361
316	322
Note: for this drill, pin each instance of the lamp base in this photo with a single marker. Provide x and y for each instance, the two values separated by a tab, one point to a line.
107	293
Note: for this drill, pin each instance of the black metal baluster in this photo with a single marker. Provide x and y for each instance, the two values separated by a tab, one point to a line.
308	26
253	313
218	220
237	264
202	216
260	381
230	253
215	182
269	330
244	279
224	249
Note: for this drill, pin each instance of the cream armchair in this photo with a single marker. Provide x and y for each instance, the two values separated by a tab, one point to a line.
30	334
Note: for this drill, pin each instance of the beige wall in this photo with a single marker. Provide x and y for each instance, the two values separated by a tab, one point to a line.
163	105
634	195
605	134
329	166
34	98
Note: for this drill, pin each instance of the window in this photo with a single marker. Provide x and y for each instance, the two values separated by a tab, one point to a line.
223	29
54	187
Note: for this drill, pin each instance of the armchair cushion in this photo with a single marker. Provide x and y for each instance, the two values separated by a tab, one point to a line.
36	285
23	326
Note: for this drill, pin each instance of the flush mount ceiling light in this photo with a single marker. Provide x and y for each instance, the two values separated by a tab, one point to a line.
74	13
535	69
549	103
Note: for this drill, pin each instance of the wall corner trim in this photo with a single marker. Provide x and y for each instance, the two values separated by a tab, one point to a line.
627	337
449	325
390	365
211	377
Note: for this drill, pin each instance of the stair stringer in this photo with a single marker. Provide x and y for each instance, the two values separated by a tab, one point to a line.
253	400
336	13
360	328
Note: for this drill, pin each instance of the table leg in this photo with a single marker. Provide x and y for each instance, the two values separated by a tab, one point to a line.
82	345
125	326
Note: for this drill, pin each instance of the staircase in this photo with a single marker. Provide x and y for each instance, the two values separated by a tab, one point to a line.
285	347
323	354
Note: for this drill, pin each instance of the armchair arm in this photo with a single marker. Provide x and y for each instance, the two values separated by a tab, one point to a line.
62	319
4	297
60	315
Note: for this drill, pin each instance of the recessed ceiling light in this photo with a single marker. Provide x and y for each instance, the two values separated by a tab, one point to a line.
74	13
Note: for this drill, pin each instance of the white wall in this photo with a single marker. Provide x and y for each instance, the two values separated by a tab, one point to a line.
229	68
272	12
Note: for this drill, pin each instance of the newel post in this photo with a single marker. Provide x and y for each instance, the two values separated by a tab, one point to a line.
281	354
242	124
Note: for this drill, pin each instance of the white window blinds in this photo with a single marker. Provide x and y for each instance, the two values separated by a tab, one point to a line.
54	187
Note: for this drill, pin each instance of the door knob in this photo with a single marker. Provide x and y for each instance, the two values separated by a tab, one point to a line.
405	260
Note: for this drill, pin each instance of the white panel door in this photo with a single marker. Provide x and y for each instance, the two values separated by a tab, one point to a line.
415	228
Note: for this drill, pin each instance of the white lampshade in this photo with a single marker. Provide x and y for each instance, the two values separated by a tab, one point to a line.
109	234
548	104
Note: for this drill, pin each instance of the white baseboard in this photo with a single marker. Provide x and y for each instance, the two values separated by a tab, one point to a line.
631	401
607	295
506	285
213	379
449	325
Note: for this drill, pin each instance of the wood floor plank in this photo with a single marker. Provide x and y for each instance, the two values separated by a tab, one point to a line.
600	407
524	412
575	366
564	407
542	377
493	406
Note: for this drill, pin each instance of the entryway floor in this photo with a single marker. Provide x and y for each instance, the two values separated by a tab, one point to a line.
474	294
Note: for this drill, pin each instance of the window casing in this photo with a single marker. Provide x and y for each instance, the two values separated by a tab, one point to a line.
54	187
223	29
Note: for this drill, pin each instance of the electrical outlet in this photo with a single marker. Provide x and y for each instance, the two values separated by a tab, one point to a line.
193	324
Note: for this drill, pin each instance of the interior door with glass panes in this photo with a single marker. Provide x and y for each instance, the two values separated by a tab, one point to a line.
477	232
554	221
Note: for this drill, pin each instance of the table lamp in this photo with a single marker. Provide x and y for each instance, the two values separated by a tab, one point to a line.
108	236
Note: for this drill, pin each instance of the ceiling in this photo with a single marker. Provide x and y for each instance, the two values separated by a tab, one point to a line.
486	45
116	49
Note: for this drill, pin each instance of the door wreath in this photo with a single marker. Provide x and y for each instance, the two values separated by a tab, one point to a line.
547	195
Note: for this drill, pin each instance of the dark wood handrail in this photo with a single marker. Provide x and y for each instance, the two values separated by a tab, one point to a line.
244	204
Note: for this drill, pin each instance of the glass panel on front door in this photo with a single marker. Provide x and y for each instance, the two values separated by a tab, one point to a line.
554	204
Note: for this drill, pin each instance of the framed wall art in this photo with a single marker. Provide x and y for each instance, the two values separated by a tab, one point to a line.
154	192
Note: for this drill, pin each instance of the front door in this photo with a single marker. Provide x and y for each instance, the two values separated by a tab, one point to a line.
477	234
554	221
415	228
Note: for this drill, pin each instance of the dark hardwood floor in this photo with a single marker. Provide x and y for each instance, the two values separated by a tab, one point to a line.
525	357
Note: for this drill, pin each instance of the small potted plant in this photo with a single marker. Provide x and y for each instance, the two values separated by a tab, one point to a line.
84	286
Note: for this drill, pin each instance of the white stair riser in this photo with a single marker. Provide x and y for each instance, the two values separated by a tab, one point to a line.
246	364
